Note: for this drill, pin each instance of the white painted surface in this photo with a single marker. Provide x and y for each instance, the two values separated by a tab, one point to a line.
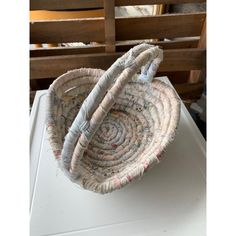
169	199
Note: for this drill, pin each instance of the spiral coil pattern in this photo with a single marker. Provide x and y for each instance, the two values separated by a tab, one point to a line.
131	138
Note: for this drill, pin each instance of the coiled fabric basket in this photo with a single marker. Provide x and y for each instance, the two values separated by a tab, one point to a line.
107	127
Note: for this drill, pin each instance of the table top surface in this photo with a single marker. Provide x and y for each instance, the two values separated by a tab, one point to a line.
168	200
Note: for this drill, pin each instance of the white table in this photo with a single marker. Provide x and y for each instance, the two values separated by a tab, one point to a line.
169	199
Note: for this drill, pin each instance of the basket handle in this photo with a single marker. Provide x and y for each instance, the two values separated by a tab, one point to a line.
96	106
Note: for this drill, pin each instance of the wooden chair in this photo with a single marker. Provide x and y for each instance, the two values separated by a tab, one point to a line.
185	50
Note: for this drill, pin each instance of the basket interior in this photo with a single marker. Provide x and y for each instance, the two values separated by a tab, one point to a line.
133	134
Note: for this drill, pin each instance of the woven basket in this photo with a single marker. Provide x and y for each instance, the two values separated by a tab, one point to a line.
107	128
